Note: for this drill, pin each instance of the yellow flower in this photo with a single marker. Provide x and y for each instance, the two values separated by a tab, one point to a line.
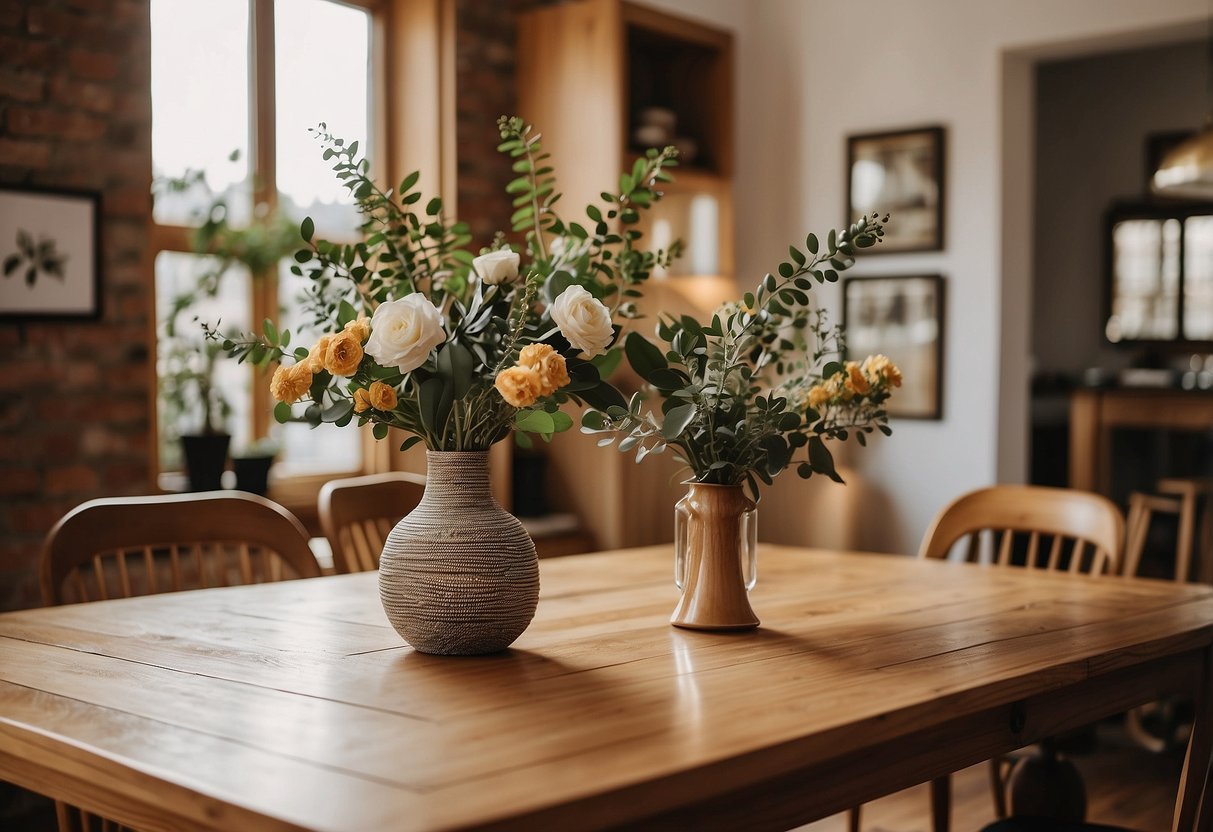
819	394
382	396
856	382
344	354
878	368
548	364
315	356
519	386
289	384
361	327
362	400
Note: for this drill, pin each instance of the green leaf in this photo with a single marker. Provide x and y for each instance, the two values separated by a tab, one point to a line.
455	363
346	313
535	421
607	362
271	331
282	413
562	421
786	270
434	402
797	257
821	459
307	228
410	442
409	181
379	431
592	420
812	244
603	397
677	420
643	355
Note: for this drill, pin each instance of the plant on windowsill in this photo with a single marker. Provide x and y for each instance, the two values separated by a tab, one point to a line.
193	409
460	350
762	386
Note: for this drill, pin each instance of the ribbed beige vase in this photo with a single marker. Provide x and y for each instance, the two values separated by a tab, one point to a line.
459	576
715	533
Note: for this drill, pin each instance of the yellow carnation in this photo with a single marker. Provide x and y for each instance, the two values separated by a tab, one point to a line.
819	395
519	386
548	364
362	400
879	368
315	356
344	354
856	382
289	384
382	396
361	327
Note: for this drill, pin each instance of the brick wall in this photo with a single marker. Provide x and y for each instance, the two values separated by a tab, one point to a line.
75	112
485	38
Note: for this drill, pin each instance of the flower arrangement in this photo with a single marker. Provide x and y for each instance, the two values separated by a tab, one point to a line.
764	381
458	349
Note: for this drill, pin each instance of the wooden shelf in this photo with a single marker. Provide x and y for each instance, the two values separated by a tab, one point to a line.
582	81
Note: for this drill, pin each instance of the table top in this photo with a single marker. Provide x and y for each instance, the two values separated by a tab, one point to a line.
295	705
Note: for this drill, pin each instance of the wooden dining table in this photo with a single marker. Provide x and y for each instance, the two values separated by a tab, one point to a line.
297	706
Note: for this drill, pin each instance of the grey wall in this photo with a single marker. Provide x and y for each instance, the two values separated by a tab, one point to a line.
1092	119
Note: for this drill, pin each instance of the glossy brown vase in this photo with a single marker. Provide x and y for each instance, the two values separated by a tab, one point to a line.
716	530
459	575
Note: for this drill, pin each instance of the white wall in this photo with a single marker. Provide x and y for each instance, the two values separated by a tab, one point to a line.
809	73
830	67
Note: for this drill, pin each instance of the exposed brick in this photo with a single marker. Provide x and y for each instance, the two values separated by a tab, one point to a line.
37	518
48	21
39	121
71	479
21	51
92	65
86	95
26	154
11	14
127	477
22	84
20	482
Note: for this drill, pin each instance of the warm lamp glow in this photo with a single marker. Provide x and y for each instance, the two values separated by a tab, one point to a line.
1187	171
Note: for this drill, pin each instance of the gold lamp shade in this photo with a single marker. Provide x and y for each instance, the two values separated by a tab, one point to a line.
1187	171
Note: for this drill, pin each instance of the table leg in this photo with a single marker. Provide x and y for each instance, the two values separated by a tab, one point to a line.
941	803
1193	799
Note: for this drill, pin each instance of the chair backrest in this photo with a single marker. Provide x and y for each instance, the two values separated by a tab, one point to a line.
1051	518
119	547
357	513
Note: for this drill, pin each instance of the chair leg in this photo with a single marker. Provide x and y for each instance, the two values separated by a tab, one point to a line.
998	787
941	803
853	823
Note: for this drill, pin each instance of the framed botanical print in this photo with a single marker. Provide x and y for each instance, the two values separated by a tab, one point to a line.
49	254
901	174
901	317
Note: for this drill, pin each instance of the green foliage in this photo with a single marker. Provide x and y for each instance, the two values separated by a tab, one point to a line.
732	396
410	245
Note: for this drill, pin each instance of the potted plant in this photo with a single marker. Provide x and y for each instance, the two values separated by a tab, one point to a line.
193	409
459	350
760	387
252	466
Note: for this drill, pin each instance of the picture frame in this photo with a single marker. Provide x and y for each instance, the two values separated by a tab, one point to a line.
901	316
899	173
50	254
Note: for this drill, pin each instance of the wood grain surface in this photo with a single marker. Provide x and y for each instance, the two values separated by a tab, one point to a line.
296	706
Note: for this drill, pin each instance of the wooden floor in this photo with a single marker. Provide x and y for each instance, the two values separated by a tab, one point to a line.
1126	786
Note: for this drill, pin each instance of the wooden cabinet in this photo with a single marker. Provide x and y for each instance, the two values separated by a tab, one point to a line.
602	80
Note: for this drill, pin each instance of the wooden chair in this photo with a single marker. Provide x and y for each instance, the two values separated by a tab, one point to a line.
1068	530
357	513
127	546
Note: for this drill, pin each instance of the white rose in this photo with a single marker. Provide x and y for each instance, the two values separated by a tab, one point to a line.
496	267
583	320
404	332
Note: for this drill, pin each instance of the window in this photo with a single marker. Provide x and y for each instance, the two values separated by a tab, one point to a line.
235	86
1160	283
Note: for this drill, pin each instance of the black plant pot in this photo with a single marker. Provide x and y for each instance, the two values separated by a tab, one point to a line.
253	473
205	459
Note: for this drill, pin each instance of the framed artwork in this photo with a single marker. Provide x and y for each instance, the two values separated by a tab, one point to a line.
901	317
49	254
901	174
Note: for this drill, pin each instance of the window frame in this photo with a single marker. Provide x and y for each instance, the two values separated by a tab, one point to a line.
413	122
